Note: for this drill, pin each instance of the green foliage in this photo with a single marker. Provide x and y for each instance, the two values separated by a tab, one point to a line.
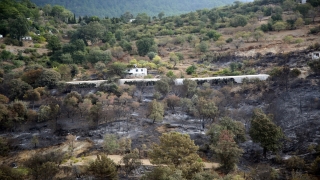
279	25
265	132
191	69
131	162
54	43
177	151
227	150
44	166
163	173
229	40
144	45
48	78
110	143
315	66
4	146
103	168
155	111
238	20
117	68
212	34
151	55
295	163
9	173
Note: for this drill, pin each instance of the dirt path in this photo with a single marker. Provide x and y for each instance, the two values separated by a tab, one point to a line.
117	159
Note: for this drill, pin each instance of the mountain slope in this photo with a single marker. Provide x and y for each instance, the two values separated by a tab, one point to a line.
114	8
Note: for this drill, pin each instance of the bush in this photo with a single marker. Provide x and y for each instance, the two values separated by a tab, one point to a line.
314	30
36	46
315	66
229	40
191	69
295	163
295	72
2	46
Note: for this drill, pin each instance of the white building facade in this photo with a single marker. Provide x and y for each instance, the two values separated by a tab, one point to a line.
137	72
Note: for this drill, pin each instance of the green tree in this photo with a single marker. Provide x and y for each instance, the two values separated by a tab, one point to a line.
238	20
32	95
44	166
177	151
206	110
163	173
92	31
265	132
258	34
18	27
190	88
48	78
131	162
54	43
119	34
103	168
117	68
191	69
143	19
212	34
227	150
279	25
220	44
202	47
155	111
96	55
162	86
144	45
17	88
160	15
110	143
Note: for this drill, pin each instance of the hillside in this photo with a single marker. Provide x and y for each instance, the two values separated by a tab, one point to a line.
257	128
115	8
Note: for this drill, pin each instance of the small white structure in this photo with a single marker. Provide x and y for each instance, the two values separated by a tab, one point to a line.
137	72
302	1
315	55
131	20
27	38
1	36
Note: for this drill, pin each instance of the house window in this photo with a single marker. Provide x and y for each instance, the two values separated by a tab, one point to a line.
141	70
136	70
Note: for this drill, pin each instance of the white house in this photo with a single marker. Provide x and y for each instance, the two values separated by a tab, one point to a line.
131	20
1	36
137	72
27	38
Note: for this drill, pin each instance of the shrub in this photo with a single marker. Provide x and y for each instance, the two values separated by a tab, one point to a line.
36	46
229	40
191	69
295	72
315	66
2	46
295	163
314	30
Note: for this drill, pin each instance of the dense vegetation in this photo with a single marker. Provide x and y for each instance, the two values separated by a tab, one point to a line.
115	8
195	44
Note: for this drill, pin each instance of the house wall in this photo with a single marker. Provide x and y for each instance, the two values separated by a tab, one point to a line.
137	72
